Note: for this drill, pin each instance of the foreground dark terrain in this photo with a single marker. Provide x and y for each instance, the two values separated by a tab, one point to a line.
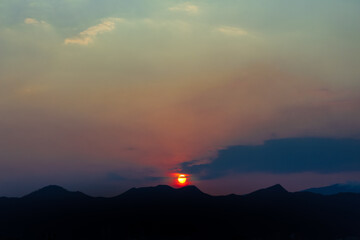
163	212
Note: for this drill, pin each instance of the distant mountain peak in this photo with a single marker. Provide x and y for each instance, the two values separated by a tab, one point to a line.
276	188
191	188
147	190
53	192
272	190
151	189
167	187
163	192
336	188
54	188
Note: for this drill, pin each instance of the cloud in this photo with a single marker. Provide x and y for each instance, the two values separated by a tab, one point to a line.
185	7
291	155
113	176
232	31
33	21
87	36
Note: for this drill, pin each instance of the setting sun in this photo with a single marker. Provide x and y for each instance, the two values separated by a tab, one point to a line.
181	179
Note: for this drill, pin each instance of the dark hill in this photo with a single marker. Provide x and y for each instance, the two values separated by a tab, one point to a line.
55	193
336	188
158	191
162	193
276	190
163	212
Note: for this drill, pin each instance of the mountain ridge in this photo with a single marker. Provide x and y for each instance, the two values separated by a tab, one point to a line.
163	212
52	192
336	189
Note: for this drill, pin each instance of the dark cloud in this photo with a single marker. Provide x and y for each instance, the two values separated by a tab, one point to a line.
113	176
292	155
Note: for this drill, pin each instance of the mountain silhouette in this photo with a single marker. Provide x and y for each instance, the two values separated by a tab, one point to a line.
54	192
163	212
336	188
162	193
158	191
275	190
191	191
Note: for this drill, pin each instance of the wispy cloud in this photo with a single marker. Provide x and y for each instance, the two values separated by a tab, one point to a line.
185	7
33	21
232	31
87	36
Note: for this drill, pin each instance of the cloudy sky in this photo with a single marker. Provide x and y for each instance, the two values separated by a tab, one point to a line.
100	96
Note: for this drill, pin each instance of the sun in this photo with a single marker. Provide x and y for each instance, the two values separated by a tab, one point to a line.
182	179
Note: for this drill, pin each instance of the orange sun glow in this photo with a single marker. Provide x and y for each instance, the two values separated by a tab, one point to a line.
182	179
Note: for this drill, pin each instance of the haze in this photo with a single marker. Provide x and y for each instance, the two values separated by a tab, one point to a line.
101	96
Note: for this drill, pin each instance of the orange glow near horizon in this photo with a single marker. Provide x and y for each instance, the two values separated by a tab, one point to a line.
182	179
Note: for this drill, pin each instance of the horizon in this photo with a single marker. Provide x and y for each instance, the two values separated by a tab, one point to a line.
101	96
73	191
177	187
161	212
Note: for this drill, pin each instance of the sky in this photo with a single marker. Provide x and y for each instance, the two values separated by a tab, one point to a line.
102	96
